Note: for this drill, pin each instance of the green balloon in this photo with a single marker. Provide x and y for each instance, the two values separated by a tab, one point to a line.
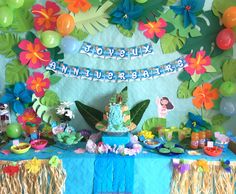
228	88
50	39
14	130
6	16
15	4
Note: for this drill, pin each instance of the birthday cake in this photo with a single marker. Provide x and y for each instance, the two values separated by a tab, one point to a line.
116	118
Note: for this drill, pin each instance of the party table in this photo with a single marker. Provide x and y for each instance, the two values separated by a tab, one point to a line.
146	173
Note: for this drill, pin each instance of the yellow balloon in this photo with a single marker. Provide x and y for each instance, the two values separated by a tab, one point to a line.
229	17
65	24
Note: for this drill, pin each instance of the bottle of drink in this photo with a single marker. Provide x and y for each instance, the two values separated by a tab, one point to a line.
208	134
202	138
194	139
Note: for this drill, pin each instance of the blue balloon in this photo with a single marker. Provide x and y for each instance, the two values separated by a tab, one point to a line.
69	45
227	107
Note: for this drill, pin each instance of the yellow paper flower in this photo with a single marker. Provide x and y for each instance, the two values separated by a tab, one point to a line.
33	165
147	134
203	165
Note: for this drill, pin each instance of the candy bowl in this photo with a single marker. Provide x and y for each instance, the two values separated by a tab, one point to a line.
39	144
214	151
151	143
21	148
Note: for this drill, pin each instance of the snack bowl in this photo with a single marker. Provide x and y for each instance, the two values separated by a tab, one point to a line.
214	151
21	148
151	143
39	144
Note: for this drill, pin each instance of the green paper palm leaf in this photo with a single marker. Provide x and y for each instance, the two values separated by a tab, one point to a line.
8	41
151	10
152	124
138	110
95	20
91	115
15	72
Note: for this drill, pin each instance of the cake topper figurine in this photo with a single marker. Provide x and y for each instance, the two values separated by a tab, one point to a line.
164	105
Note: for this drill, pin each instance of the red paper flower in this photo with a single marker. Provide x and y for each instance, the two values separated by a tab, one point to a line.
34	54
153	28
11	170
37	83
204	96
30	116
45	17
76	5
196	65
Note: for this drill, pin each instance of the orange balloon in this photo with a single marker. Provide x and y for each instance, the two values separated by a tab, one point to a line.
229	17
65	24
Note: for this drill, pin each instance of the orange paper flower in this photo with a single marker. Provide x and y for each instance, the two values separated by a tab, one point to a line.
204	96
202	164
76	5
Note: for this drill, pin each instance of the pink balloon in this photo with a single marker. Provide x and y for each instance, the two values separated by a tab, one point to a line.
225	39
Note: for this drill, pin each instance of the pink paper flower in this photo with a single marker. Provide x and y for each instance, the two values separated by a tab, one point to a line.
37	83
30	116
152	29
197	65
45	17
34	54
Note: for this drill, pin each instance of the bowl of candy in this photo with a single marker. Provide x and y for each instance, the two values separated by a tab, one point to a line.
214	151
39	144
151	143
21	148
69	138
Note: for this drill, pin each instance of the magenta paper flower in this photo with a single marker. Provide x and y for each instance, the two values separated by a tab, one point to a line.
45	17
34	54
153	28
38	84
29	116
197	65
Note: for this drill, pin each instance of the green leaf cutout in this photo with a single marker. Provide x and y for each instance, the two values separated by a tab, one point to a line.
50	99
170	43
28	4
218	61
136	113
15	72
229	70
184	91
217	83
46	113
8	41
79	34
219	119
207	40
127	33
210	69
95	2
61	2
171	2
91	115
124	89
177	21
151	10
219	6
152	124
195	77
94	20
54	79
184	76
56	53
23	20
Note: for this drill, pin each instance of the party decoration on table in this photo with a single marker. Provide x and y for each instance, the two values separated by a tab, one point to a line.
164	106
221	140
170	148
18	177
226	165
45	17
79	151
117	76
146	134
116	53
65	24
54	161
189	9
213	151
14	130
21	148
225	39
17	97
151	143
195	180
229	17
39	144
204	96
181	166
38	83
202	165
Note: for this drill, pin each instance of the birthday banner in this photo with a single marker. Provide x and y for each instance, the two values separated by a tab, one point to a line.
116	53
117	76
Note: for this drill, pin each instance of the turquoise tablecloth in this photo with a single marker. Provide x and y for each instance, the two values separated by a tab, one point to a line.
146	173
